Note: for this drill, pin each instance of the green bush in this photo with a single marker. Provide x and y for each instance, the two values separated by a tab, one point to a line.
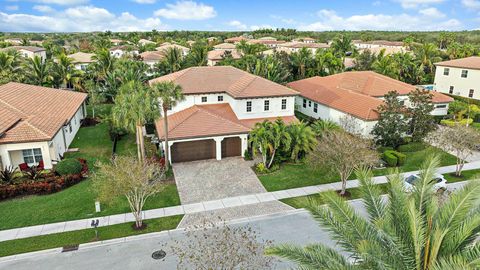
411	147
261	168
400	157
452	123
68	166
384	148
390	158
247	155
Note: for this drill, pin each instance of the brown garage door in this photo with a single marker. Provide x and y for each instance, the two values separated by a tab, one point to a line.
231	147
190	151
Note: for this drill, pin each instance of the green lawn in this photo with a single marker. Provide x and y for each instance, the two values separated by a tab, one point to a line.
84	236
466	175
301	175
78	201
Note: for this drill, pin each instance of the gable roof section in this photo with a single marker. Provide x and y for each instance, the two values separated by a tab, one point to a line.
472	62
34	113
218	54
81	57
152	56
219	79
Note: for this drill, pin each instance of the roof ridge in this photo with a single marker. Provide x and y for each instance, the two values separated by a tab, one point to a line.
12	107
34	127
219	116
186	118
247	75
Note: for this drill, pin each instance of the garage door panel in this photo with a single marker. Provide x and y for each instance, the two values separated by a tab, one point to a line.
194	150
231	147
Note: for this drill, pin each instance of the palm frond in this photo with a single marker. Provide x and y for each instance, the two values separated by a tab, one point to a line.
371	195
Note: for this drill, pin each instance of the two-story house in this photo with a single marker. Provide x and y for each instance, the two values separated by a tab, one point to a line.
459	77
30	51
81	60
354	97
221	106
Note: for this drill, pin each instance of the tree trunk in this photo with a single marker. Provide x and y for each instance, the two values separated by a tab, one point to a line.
142	142
271	159
93	112
344	184
137	140
165	133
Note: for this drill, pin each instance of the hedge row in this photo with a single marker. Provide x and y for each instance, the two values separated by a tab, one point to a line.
50	184
411	147
394	158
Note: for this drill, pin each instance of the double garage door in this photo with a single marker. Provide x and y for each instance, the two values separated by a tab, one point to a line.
205	149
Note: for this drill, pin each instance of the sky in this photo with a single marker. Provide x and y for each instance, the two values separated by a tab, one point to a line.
239	15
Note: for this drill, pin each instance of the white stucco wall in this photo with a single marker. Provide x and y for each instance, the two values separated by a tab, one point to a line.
239	105
461	86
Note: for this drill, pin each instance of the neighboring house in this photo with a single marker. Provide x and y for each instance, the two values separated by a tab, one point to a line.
236	40
13	41
354	96
297	46
305	40
152	58
144	42
119	51
225	46
30	51
278	50
215	56
221	106
460	77
385	50
378	44
81	60
267	42
267	38
116	42
211	39
37	123
166	46
190	42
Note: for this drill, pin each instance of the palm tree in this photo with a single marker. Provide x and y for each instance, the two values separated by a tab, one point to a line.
169	94
271	69
135	105
64	73
104	63
37	71
386	65
173	60
198	55
10	60
319	127
303	139
268	137
420	231
342	45
427	54
301	61
327	63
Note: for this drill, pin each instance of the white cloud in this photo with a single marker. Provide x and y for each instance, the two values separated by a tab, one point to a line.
187	10
78	19
237	24
330	20
263	26
63	2
11	8
145	1
471	4
284	20
417	3
432	12
43	8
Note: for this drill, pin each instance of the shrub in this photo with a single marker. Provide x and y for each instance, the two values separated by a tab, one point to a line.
411	147
390	158
247	155
452	123
400	157
7	174
261	168
68	166
382	149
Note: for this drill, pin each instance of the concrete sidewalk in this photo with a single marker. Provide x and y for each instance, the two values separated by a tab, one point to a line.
229	202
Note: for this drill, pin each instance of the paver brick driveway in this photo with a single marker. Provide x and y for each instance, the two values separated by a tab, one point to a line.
206	180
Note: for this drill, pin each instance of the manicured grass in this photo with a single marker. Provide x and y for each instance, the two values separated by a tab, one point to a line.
78	201
84	236
466	175
302	174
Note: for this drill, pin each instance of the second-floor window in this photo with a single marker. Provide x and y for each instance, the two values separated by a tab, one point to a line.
470	93
446	71
204	99
309	103
450	91
249	106
464	73
220	98
304	103
284	104
266	105
315	107
441	106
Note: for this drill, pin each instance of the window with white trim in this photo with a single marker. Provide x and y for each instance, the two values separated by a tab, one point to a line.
220	98
446	71
32	156
470	93
284	104
249	106
266	105
441	106
304	103
450	91
204	99
464	73
309	103
315	107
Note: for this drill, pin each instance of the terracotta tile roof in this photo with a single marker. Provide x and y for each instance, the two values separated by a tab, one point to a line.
81	57
146	41
235	39
218	54
152	56
34	113
123	48
386	50
472	62
380	42
208	121
164	47
225	46
265	41
27	48
225	79
305	45
356	92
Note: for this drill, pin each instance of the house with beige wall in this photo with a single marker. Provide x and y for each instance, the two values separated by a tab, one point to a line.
221	106
37	123
30	51
460	77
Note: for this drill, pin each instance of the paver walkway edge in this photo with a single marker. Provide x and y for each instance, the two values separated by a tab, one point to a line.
66	226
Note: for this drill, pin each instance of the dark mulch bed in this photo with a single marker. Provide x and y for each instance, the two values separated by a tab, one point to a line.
89	122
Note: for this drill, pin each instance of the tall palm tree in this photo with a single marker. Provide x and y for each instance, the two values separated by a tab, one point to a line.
303	139
37	71
135	105
104	63
301	61
319	127
386	65
169	94
427	54
271	69
198	55
342	45
173	60
408	231
64	72
327	63
10	60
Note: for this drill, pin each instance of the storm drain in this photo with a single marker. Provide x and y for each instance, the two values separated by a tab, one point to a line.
70	248
159	254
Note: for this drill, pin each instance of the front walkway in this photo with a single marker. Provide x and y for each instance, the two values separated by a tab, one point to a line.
245	200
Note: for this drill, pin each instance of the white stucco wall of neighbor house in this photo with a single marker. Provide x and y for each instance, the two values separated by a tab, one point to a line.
11	154
326	113
449	80
239	106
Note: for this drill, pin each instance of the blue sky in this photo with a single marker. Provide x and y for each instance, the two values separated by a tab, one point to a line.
314	15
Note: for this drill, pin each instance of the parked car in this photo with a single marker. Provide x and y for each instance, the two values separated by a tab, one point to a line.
440	183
